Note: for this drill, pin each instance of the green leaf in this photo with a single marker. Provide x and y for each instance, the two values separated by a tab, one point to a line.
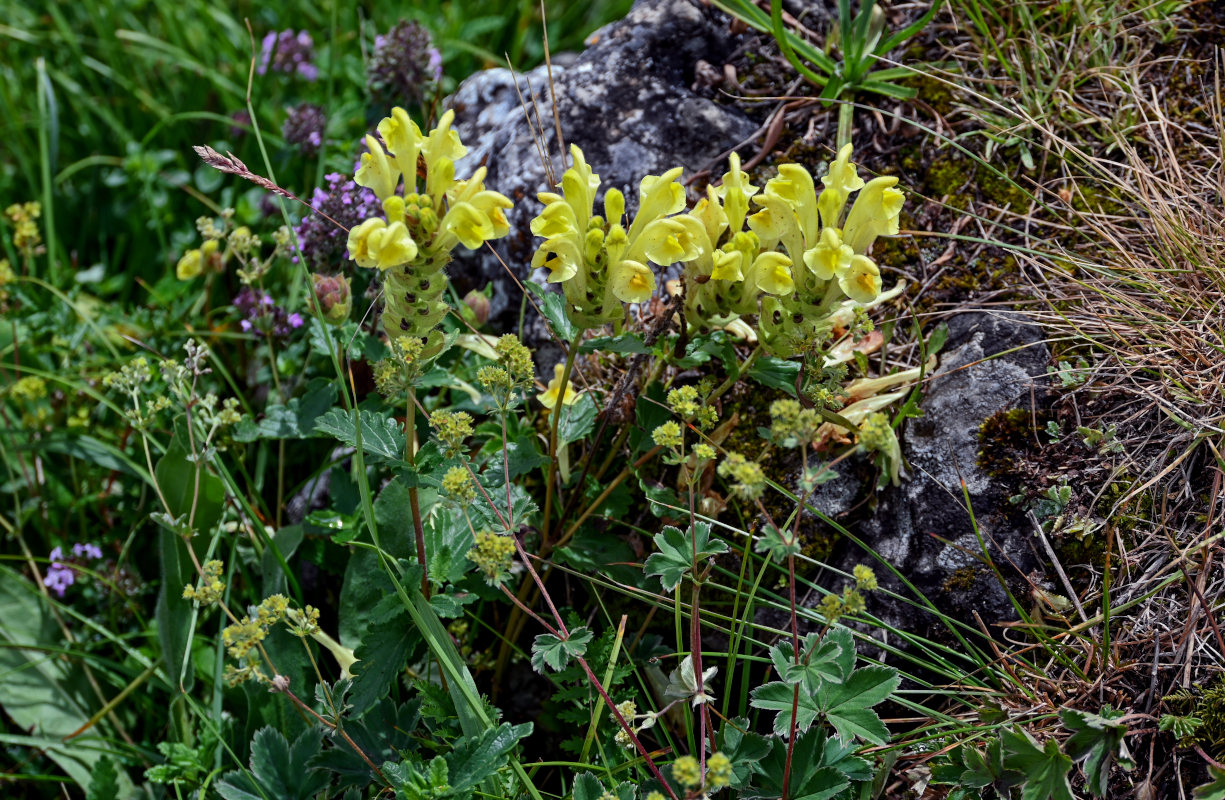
777	543
781	697
382	654
577	420
173	613
848	705
587	787
382	734
277	770
553	652
381	435
775	373
104	784
625	343
819	662
553	308
679	551
1215	789
475	759
810	779
1099	740
743	748
1045	769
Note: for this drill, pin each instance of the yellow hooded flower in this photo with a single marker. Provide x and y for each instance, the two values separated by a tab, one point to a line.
556	219
709	211
771	272
376	172
560	256
861	281
875	213
840	180
548	398
469	225
736	191
830	256
374	243
671	240
579	185
442	142
728	265
631	282
659	196
404	140
193	261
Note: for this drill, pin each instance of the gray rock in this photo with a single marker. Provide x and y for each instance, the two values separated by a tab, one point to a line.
991	363
626	101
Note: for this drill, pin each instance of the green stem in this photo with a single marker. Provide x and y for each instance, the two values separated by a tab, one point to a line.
546	522
846	118
414	501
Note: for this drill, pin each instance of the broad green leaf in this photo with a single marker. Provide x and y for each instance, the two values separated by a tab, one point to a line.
381	435
553	308
819	662
743	748
475	759
277	769
587	787
553	652
383	733
775	373
848	705
172	613
577	420
810	780
781	697
625	343
1099	740
679	551
1214	789
383	652
1045	769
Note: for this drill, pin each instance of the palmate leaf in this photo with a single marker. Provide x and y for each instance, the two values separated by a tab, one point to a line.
1213	790
811	778
1098	739
555	653
781	697
381	435
1045	769
677	550
822	660
848	705
277	769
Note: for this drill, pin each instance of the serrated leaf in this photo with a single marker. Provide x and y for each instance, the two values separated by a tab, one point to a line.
473	760
810	780
553	308
383	733
820	662
1099	740
587	787
104	781
679	551
381	435
625	343
277	769
1045	768
782	698
848	705
555	653
382	654
743	748
577	420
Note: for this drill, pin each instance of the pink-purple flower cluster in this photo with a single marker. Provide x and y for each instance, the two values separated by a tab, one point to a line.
304	127
62	573
324	245
405	67
290	52
263	316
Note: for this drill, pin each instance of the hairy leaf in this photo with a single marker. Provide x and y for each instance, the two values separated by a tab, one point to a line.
1045	768
848	705
680	550
554	653
1098	739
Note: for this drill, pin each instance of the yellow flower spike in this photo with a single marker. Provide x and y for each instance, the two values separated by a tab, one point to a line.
404	140
614	206
861	281
468	224
190	265
374	243
560	257
709	211
771	272
376	172
736	191
659	196
728	266
830	256
840	180
631	282
874	213
442	142
615	243
548	398
672	240
794	185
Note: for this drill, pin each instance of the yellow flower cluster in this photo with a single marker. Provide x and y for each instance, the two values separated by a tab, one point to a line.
26	236
412	242
210	588
803	254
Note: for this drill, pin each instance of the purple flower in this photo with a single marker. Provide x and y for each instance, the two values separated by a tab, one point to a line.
58	579
61	575
295	320
86	549
261	316
325	246
304	127
289	52
405	67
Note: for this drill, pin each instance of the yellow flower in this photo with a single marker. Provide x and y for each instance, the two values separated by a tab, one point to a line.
771	272
374	243
830	256
709	211
469	225
404	140
560	256
727	265
659	196
736	191
579	185
861	281
548	398
875	213
442	142
632	282
667	241
193	261
376	172
841	179
556	219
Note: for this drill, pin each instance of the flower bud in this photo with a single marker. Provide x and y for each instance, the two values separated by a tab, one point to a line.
479	304
335	297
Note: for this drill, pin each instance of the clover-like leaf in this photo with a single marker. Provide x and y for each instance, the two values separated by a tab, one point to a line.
1045	768
1098	739
554	652
680	551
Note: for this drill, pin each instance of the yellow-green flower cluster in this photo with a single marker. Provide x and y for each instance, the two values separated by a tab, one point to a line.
457	485
27	239
802	257
452	428
687	772
851	601
792	425
877	437
599	263
423	222
493	556
747	477
29	388
210	588
687	402
515	373
395	373
243	637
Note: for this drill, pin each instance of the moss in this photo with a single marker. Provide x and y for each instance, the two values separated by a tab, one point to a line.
936	93
961	580
1208	704
1004	438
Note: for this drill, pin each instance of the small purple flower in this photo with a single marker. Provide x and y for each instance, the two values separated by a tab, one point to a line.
323	244
61	574
86	549
261	316
290	52
304	127
405	67
59	579
295	320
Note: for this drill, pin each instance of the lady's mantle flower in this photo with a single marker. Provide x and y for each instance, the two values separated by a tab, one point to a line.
289	52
